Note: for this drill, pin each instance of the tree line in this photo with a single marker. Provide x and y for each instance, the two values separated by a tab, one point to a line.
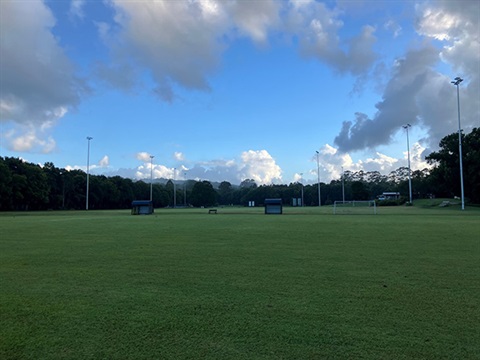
27	186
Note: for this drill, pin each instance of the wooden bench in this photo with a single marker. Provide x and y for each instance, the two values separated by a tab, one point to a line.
212	211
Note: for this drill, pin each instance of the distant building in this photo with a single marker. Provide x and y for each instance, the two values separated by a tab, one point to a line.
142	207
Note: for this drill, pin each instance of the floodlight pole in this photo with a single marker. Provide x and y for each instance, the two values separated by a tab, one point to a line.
343	186
318	180
301	174
185	190
174	189
151	177
409	170
88	171
457	82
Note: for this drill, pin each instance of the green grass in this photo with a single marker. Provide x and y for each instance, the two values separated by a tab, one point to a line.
183	284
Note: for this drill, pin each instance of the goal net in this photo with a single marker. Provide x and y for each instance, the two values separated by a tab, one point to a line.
355	207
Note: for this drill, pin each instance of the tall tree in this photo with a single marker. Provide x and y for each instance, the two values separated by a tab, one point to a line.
203	194
446	173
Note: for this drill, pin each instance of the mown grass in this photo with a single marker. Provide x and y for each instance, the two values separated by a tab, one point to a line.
183	284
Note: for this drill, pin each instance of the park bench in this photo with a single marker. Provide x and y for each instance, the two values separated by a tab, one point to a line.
212	211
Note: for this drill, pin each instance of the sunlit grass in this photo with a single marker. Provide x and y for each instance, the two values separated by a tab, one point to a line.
185	284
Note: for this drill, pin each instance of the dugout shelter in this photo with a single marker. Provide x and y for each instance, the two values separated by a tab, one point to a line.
273	206
142	207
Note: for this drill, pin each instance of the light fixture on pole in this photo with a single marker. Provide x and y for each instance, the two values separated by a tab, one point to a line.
151	177
409	170
343	186
318	180
457	82
88	171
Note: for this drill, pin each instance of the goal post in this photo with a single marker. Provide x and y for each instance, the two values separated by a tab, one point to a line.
366	207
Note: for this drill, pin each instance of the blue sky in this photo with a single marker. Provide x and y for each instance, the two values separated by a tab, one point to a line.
230	89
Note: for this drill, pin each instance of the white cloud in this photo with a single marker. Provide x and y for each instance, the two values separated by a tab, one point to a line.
332	161
28	138
316	27
252	164
178	156
180	43
38	82
255	18
259	166
394	27
104	162
76	9
143	156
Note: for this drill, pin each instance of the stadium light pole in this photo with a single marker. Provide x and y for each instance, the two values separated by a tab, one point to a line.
318	180
343	186
457	82
409	170
174	188
151	177
301	174
185	190
88	171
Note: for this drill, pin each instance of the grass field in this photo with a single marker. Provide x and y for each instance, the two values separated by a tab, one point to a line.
185	284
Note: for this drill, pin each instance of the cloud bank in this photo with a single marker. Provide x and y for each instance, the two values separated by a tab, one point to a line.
39	83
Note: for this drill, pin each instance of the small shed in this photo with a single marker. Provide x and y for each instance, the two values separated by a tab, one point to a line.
142	207
273	206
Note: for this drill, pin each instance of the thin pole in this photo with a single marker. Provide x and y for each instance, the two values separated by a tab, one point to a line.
174	189
185	190
88	171
456	82
151	177
409	170
318	180
343	185
302	188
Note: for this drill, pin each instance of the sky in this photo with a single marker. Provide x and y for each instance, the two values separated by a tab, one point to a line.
228	90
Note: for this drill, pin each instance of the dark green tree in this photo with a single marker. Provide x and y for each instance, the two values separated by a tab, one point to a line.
446	173
203	194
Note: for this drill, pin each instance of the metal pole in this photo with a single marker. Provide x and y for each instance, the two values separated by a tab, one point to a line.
302	187
151	177
456	82
185	190
63	190
88	170
343	186
409	170
318	180
174	189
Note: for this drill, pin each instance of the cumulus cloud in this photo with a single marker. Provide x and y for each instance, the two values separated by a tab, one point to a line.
143	156
458	25
176	41
332	161
317	26
417	93
104	162
178	156
180	43
38	82
28	138
258	165
399	105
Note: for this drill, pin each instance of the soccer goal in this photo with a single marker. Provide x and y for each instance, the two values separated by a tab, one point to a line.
355	207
